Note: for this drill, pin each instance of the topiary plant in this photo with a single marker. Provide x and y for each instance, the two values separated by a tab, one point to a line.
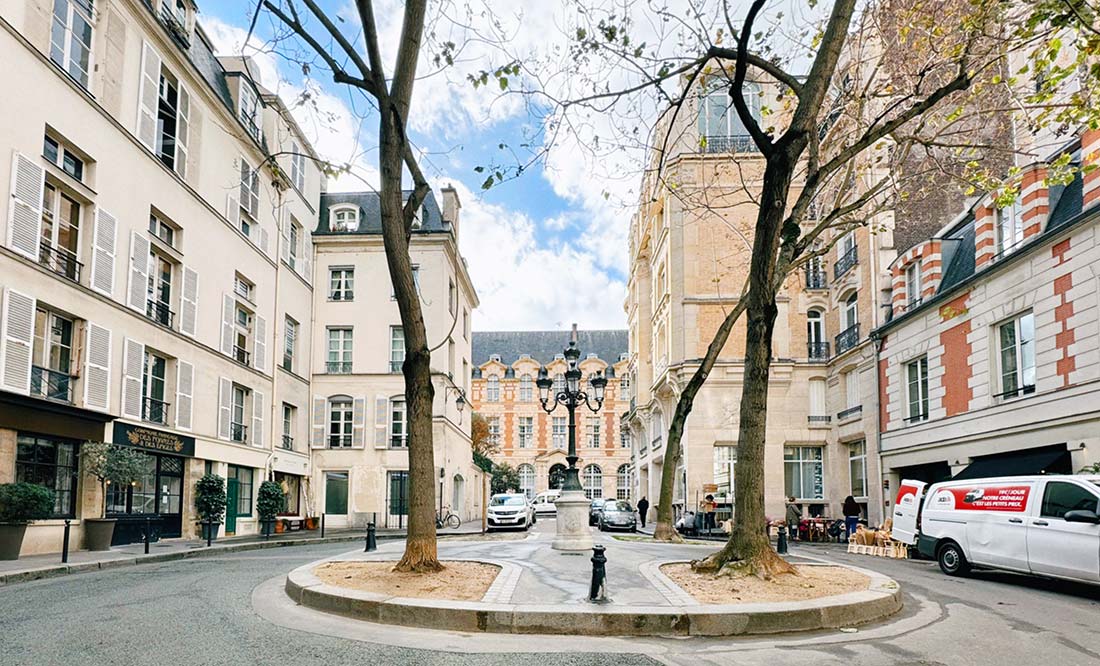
24	502
270	500
112	463
210	499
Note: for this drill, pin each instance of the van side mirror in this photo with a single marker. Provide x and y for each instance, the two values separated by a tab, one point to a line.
1082	516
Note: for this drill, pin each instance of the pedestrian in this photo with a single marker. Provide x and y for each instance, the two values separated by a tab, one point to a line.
643	509
709	507
794	515
852	512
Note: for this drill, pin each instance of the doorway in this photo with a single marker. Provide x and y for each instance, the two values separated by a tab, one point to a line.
557	476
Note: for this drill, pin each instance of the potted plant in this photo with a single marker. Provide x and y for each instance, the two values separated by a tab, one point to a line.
20	503
108	463
270	500
210	502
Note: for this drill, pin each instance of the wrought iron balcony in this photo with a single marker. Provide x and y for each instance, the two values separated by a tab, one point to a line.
238	432
816	280
241	354
1016	392
819	419
818	351
159	312
338	367
917	418
729	143
60	261
339	441
154	411
850	412
288	442
847	339
845	263
51	384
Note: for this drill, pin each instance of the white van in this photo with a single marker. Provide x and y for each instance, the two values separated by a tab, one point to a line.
1045	525
544	502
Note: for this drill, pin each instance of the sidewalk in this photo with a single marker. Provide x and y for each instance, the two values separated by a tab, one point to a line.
33	567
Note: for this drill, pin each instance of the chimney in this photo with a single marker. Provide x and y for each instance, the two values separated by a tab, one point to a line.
451	207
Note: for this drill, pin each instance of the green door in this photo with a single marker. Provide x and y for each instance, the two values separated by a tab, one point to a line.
232	493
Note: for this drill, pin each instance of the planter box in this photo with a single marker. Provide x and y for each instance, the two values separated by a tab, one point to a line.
98	533
11	540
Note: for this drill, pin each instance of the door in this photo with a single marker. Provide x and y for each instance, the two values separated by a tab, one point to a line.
906	508
1059	548
336	493
232	497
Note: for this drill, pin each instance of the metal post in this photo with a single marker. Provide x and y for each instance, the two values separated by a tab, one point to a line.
65	545
781	541
209	530
322	526
372	543
148	528
597	592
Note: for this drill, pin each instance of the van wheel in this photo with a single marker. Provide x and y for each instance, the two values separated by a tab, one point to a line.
951	559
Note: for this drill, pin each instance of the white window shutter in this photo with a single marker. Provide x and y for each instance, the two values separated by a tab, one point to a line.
17	341
317	441
358	422
25	208
307	263
233	210
97	367
381	420
133	367
229	307
265	242
103	252
183	130
259	348
257	438
185	392
138	292
189	302
225	407
284	237
148	97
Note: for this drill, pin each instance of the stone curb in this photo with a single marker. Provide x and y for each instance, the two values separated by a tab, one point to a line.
881	600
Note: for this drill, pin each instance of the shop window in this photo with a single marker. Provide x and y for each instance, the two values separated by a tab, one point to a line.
52	463
804	472
857	468
291	486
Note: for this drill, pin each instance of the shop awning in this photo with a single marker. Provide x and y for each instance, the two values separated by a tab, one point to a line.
1019	463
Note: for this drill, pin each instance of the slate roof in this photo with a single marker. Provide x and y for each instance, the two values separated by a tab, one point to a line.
370	213
543	346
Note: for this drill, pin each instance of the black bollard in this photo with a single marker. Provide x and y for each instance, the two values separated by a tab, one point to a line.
781	541
598	590
372	542
148	530
65	545
209	531
322	526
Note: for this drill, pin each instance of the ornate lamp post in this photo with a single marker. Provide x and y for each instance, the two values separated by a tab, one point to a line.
572	505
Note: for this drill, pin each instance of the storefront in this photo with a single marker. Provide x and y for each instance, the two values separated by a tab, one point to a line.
292	491
156	497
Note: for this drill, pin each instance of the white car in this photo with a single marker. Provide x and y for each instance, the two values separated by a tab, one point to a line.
544	502
510	510
1045	525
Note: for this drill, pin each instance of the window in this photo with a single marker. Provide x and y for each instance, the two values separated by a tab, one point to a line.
558	429
593	432
452	297
341	283
158	302
624	387
397	348
720	127
161	229
1017	357
71	38
851	310
526	431
52	356
465	324
527	480
153	407
49	462
492	389
170	124
818	412
59	244
912	284
622	482
339	423
817	348
250	109
293	242
592	480
290	414
242	334
416	283
1008	228
290	342
624	439
1060	497
493	422
339	351
857	468
243	288
345	219
250	197
851	388
657	429
916	382
399	434
297	167
802	467
526	388
725	457
243	475
238	430
559	383
63	157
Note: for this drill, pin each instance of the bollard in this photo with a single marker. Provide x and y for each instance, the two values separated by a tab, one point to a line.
148	528
597	592
209	530
65	546
781	541
372	543
322	526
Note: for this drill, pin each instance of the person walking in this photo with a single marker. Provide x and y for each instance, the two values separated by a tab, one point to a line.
643	509
852	512
794	516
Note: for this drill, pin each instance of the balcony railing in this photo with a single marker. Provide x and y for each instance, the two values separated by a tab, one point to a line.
339	441
238	432
154	411
916	418
850	412
845	263
159	312
818	351
60	261
51	384
241	354
398	442
1016	392
847	339
288	442
814	418
338	367
730	143
816	280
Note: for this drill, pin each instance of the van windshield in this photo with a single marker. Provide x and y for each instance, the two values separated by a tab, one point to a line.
507	500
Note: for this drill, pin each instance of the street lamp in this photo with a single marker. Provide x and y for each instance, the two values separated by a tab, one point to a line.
572	505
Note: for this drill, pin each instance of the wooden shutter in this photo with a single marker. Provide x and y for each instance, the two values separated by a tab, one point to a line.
183	130
306	264
284	237
851	388
817	397
148	97
189	302
358	422
133	367
381	420
259	348
103	252
257	437
138	292
229	306
225	406
17	341
97	367
317	441
25	209
265	242
185	391
233	210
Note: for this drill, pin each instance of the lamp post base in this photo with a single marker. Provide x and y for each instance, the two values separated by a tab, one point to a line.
572	531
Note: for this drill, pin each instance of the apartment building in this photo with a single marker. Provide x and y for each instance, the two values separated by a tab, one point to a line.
359	434
534	441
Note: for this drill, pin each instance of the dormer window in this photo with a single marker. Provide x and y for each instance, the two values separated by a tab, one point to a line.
344	219
1009	229
174	13
250	109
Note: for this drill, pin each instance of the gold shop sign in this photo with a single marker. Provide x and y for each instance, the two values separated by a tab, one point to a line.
154	440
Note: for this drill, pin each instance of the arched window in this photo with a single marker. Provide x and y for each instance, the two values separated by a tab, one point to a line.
556	477
657	432
492	389
815	335
339	422
622	482
527	480
592	480
720	128
344	218
526	388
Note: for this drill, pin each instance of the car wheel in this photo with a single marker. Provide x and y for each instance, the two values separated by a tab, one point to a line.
951	559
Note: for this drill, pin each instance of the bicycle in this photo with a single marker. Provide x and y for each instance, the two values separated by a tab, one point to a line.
449	519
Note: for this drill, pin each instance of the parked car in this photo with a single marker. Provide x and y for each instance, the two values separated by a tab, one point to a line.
1045	525
544	502
618	515
594	510
510	510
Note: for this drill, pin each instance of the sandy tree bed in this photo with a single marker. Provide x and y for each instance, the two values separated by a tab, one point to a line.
814	582
459	581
